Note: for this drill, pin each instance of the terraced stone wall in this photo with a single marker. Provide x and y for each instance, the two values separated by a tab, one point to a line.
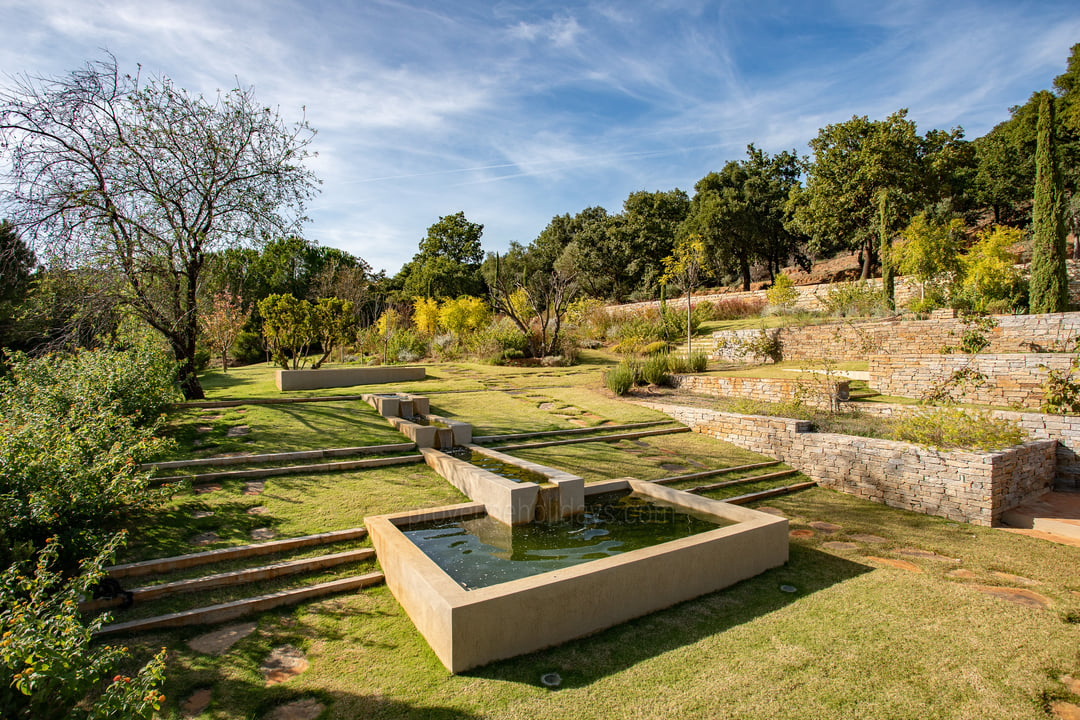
1014	379
964	486
809	390
856	341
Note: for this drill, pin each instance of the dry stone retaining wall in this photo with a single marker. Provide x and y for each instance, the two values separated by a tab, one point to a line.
809	389
856	341
965	486
1014	379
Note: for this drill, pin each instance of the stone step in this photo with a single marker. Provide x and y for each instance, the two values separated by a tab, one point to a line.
178	562
239	608
233	578
1055	513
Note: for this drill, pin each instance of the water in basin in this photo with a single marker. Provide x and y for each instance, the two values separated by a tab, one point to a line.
479	551
498	467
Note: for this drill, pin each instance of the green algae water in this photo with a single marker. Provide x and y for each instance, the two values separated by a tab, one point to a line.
499	467
479	551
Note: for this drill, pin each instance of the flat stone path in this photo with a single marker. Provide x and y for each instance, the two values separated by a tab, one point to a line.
196	703
898	564
1027	598
218	641
303	709
282	663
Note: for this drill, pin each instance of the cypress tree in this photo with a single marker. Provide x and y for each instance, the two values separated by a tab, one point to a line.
1049	288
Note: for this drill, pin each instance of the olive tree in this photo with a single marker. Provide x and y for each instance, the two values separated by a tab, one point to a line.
143	179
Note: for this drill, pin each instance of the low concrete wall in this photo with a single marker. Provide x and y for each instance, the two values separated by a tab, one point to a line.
564	500
468	628
1014	379
345	377
972	487
507	501
809	389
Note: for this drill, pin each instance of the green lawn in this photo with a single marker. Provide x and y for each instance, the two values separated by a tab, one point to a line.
858	639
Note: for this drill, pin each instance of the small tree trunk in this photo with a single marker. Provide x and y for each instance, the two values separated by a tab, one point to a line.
689	297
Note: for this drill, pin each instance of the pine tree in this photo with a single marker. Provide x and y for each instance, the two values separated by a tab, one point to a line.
1049	288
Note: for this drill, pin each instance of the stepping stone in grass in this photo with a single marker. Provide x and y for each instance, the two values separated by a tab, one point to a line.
199	514
257	510
203	429
283	663
672	467
1065	710
1018	579
870	539
840	545
218	641
578	422
801	534
262	534
1027	598
304	709
1071	684
208	488
925	554
196	703
898	564
963	574
238	430
826	528
206	538
546	406
254	487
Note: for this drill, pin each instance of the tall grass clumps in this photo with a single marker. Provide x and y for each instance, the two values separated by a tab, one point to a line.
654	371
729	308
621	378
951	427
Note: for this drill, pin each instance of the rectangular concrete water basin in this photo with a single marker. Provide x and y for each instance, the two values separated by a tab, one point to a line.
469	628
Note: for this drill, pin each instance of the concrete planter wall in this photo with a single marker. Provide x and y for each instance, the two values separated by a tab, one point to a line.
468	628
345	377
974	487
514	503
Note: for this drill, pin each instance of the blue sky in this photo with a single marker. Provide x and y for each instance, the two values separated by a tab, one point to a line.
518	111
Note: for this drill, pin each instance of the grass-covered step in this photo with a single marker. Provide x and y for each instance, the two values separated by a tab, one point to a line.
573	431
770	493
161	565
234	577
281	457
239	608
712	473
340	466
744	481
601	438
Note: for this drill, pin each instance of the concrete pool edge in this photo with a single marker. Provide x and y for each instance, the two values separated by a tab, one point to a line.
469	628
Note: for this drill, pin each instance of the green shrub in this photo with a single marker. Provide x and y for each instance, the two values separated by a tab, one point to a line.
621	378
782	295
72	434
654	371
51	666
1061	389
699	361
854	299
248	348
951	427
406	346
655	348
729	309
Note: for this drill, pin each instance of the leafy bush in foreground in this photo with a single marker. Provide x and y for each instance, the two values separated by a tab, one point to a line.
73	431
48	667
621	378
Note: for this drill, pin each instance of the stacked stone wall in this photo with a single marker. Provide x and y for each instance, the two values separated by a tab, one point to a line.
964	486
1014	379
856	341
810	390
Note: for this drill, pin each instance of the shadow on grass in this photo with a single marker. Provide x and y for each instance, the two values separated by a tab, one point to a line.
584	661
168	532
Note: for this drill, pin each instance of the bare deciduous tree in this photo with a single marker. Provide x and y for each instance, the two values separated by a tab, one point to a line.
143	179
